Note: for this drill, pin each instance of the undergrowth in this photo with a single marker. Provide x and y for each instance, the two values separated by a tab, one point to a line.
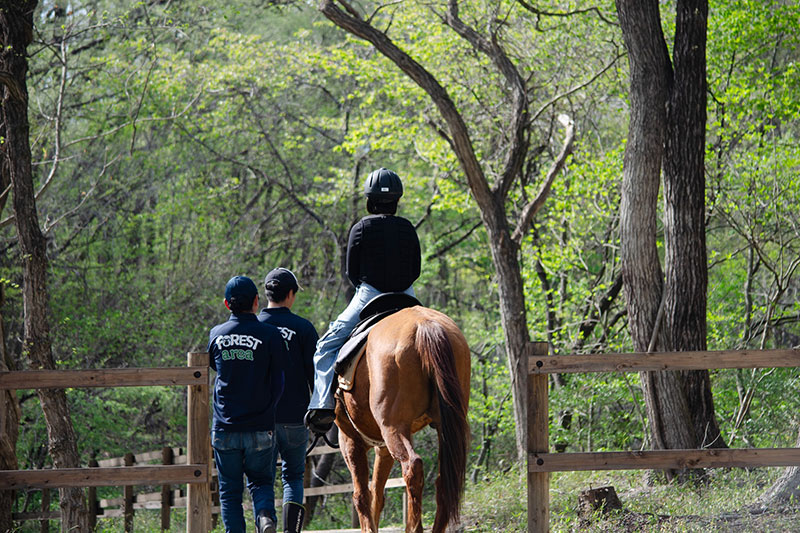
721	503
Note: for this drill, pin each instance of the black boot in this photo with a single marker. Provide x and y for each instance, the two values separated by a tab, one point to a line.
319	420
264	524
293	515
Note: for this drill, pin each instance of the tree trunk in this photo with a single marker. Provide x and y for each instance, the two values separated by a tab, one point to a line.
785	490
667	128
504	253
16	27
9	417
9	403
668	410
684	213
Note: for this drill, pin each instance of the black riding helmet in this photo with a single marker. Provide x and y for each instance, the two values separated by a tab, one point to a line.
383	185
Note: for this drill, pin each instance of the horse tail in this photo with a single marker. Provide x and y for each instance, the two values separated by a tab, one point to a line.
438	362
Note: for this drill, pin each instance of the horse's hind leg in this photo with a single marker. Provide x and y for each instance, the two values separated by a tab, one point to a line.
354	452
380	473
399	445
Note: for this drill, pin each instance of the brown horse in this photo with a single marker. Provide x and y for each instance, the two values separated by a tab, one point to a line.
415	372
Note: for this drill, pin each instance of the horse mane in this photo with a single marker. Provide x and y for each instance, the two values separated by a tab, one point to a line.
438	362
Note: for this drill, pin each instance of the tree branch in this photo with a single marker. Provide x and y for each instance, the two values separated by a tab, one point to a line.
57	119
540	12
441	251
519	118
458	129
530	210
598	310
574	89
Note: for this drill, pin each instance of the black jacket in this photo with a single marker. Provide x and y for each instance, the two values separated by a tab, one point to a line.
383	250
301	339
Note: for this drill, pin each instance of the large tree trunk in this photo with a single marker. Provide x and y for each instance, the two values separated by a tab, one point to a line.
667	410
9	404
684	213
9	416
16	33
669	403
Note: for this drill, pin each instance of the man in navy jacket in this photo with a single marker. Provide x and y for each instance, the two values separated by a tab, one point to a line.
281	288
249	358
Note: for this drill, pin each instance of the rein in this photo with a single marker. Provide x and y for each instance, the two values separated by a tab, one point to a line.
316	440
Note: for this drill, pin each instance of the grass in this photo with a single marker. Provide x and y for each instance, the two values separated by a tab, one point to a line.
718	505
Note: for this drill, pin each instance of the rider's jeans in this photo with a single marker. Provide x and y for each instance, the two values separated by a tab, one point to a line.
244	453
328	346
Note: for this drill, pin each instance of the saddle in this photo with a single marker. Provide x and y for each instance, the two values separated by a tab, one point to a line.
376	309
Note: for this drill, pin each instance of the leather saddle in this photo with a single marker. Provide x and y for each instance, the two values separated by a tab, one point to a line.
376	309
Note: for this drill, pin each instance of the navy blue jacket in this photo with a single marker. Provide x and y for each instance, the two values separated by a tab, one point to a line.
249	358
301	338
383	250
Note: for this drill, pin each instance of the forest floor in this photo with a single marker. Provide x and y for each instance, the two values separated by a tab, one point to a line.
768	522
722	503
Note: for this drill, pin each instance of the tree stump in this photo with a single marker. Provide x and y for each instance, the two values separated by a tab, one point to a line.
603	499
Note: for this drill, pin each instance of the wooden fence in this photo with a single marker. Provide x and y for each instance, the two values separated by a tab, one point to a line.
195	473
192	465
169	497
541	462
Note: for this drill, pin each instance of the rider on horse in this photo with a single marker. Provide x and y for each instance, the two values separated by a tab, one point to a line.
383	255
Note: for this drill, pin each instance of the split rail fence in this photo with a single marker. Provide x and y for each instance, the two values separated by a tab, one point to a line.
196	473
169	497
541	462
192	465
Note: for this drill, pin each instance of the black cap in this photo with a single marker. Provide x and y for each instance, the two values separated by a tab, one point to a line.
281	278
241	289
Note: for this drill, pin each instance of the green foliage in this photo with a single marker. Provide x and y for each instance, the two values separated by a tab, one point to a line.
208	139
576	241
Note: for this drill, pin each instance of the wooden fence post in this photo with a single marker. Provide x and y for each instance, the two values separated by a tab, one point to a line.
538	437
215	500
127	492
198	495
92	497
44	525
167	458
405	508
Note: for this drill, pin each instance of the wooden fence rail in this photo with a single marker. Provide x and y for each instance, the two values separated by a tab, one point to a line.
541	462
169	497
196	473
191	465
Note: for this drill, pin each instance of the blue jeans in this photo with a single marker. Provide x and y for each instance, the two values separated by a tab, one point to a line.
292	440
328	346
244	453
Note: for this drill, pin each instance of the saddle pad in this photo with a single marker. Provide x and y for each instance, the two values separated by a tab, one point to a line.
348	374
